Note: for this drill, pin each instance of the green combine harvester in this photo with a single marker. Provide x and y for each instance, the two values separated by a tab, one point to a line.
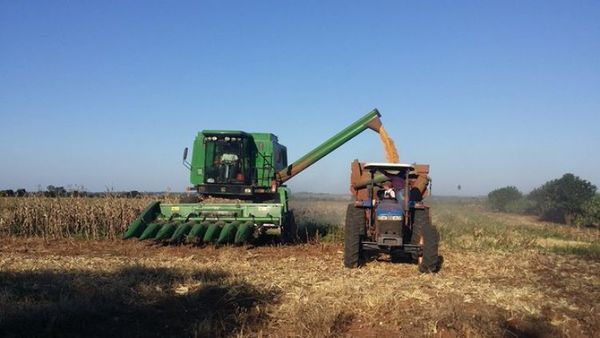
241	195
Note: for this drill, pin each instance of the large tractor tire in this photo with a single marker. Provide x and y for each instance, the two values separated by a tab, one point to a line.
355	221
425	234
290	229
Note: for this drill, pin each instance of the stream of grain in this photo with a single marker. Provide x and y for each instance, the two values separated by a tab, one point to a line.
391	153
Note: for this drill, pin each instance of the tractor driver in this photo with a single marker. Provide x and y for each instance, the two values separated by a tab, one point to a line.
388	191
396	181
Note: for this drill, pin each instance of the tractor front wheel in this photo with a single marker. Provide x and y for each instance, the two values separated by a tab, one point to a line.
355	220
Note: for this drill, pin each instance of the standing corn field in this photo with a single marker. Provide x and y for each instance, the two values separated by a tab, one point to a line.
90	218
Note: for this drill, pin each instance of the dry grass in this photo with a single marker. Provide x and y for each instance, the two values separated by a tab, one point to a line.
495	282
469	226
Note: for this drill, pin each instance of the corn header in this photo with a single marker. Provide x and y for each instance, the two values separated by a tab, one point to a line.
238	180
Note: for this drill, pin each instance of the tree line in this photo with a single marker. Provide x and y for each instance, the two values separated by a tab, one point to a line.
60	191
569	200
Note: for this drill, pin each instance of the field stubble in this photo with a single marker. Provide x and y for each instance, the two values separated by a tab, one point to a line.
503	276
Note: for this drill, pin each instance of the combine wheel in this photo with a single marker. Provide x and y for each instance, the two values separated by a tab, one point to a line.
425	234
355	221
290	229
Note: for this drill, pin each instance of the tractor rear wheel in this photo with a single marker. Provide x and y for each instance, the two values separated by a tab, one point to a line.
355	221
425	234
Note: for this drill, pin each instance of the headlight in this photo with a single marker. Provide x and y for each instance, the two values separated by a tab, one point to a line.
382	218
396	218
247	190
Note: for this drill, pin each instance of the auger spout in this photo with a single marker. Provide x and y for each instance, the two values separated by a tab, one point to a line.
369	121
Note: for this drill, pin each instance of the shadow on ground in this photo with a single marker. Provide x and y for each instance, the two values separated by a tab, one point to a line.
135	301
455	318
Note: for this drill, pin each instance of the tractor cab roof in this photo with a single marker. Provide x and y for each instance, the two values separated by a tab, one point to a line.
389	167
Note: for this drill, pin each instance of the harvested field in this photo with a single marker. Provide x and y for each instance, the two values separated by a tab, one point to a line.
502	276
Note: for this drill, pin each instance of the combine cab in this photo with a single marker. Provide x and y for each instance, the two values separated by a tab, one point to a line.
238	180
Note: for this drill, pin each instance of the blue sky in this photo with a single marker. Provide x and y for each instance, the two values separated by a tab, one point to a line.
106	94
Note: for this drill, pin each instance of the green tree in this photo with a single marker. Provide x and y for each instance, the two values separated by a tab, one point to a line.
561	200
500	198
591	213
523	206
